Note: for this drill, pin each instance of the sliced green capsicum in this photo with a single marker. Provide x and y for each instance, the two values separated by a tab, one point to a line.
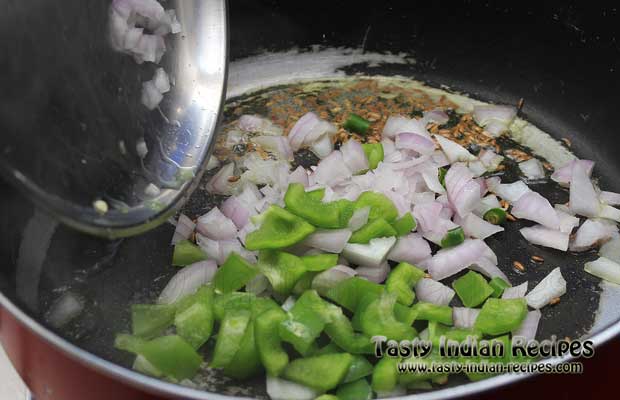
278	228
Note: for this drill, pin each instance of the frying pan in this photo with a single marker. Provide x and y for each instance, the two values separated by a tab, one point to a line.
560	57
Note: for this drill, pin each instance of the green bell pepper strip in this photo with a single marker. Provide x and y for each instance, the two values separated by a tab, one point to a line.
241	301
476	376
498	285
149	320
412	378
433	312
282	269
385	375
360	368
496	216
246	361
171	355
378	319
186	253
401	280
140	364
334	214
499	316
341	332
278	228
304	283
356	124
404	225
321	373
268	343
437	330
327	396
230	337
357	390
320	262
194	322
349	292
233	274
472	289
453	237
329	348
441	174
402	313
380	206
316	194
374	153
374	229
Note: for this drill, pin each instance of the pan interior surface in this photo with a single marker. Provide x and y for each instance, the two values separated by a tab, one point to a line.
108	276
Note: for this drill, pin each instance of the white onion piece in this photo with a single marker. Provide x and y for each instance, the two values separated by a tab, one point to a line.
422	198
326	280
413	141
567	221
543	236
219	183
552	286
431	291
454	151
257	285
510	192
308	129
299	175
372	254
611	250
359	218
464	317
354	156
529	326
388	146
257	124
288	303
439	159
150	48
212	163
583	198
437	116
332	170
592	233
330	240
609	212
488	268
427	214
448	262
532	169
515	291
397	124
183	230
219	250
490	159
564	174
374	274
275	144
394	157
431	179
476	227
280	389
216	225
175	25
236	211
487	203
605	269
161	81
151	96
322	147
463	191
534	207
610	198
410	248
187	281
66	308
477	168
266	172
485	114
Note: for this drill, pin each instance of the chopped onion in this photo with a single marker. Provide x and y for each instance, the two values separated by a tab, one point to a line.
276	144
488	267
354	156
431	179
187	281
447	262
151	96
183	230
464	317
583	198
236	211
490	159
510	192
463	191
308	129
532	169
476	227
437	116
410	248
372	254
388	146
605	269
219	183
330	240
567	221
431	291
397	124
216	225
454	151
552	286
288	303
413	141
611	250
515	291
373	274
299	175
359	218
610	198
487	203
161	81
322	147
266	171
332	170
592	233
564	174
493	117
478	169
257	285
280	389
326	280
529	326
66	308
212	163
543	236
609	212
536	208
257	124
